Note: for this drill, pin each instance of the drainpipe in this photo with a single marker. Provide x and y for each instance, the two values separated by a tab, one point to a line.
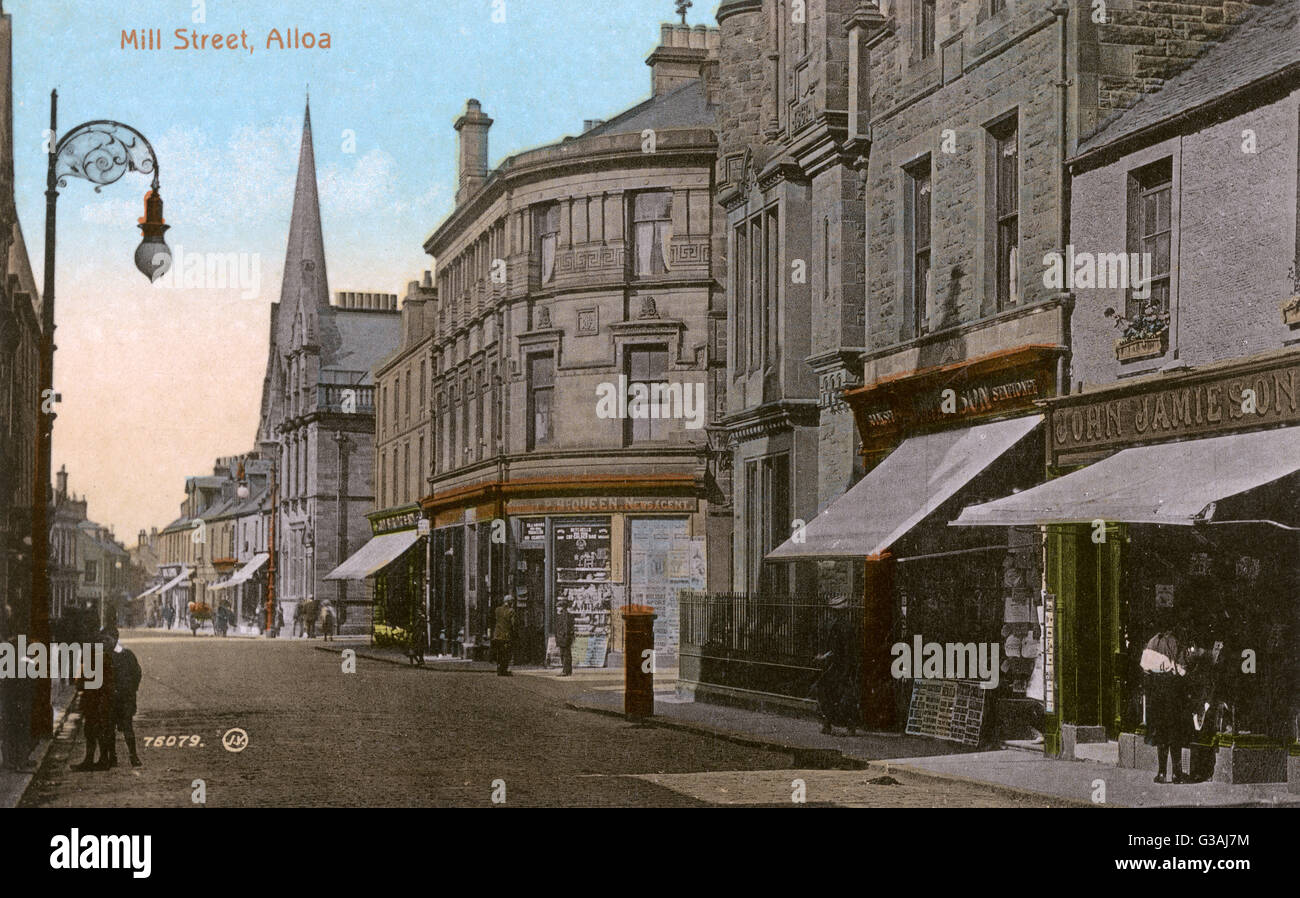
1061	11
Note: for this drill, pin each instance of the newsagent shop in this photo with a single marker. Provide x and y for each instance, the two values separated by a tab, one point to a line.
935	441
1175	502
597	553
394	558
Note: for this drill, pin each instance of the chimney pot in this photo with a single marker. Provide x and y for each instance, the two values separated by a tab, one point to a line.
472	128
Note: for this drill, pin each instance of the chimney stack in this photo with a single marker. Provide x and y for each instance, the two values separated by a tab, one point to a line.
62	479
684	54
472	127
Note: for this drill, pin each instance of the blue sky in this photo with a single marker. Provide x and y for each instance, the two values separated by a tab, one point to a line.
158	381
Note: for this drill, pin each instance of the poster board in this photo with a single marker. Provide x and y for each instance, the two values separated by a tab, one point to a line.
947	709
582	576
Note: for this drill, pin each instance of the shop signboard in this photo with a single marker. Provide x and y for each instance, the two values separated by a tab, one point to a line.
1206	402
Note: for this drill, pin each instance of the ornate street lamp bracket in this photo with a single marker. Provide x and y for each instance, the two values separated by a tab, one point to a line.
101	152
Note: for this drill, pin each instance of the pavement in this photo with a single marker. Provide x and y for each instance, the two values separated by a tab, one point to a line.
1014	772
13	783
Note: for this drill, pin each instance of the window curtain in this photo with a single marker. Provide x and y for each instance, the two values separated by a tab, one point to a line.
548	257
645	238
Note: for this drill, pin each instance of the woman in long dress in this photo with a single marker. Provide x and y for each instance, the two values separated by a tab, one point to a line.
1168	714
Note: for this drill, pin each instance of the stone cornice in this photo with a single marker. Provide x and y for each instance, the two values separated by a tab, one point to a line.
868	17
729	8
576	154
770	419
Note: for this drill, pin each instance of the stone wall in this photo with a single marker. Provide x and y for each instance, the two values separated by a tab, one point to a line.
1232	243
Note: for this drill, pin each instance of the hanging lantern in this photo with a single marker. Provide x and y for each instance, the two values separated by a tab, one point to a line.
152	256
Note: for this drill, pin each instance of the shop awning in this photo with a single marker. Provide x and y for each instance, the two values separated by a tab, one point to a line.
244	573
374	555
148	592
1167	483
183	575
912	481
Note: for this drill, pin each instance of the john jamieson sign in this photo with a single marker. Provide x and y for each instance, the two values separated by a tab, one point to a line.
1202	403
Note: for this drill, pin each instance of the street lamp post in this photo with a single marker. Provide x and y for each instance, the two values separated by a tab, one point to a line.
270	548
100	152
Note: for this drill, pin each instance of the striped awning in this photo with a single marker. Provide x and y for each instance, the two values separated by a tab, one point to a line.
245	573
374	556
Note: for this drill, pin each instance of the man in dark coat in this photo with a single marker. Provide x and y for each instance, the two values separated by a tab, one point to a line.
126	675
564	636
96	713
838	700
503	634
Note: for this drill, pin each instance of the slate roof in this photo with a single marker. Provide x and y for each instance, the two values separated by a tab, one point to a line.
1265	42
683	107
357	340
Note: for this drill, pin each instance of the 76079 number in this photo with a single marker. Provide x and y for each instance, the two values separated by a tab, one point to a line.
173	741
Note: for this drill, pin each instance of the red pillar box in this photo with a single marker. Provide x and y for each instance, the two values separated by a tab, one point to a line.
638	661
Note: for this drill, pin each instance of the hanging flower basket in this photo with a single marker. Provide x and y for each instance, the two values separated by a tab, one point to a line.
200	610
1133	349
1144	336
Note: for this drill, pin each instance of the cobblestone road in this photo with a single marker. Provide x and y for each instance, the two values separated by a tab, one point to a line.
393	736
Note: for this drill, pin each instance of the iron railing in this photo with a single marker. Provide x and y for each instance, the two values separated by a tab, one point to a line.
756	643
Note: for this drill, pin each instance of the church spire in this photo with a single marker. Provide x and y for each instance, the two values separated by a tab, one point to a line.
304	258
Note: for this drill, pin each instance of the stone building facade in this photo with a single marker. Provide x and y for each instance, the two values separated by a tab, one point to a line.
1185	229
20	340
317	414
835	117
566	274
894	182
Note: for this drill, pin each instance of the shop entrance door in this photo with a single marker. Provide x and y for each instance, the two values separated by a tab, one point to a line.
530	608
1084	571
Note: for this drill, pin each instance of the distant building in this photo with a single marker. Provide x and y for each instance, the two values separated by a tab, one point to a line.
317	414
20	340
65	562
404	441
89	568
569	278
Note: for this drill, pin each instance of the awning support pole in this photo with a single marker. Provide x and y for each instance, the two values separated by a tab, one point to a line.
877	693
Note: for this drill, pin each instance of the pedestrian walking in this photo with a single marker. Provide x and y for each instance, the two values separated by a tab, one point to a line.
1168	713
307	613
837	686
279	619
503	633
327	620
169	615
564	637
